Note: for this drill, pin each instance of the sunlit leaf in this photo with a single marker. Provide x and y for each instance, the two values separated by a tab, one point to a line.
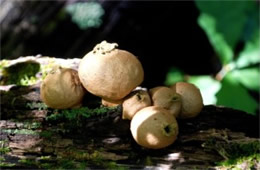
230	17
217	40
233	95
251	53
173	76
224	22
86	14
249	77
208	87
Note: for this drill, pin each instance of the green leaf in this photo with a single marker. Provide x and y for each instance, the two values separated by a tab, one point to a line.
173	76
208	88
251	53
217	40
224	22
233	95
249	77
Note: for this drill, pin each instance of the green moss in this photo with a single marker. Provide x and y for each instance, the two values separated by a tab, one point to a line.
32	163
237	150
72	159
84	159
6	164
25	124
4	148
45	158
27	81
114	165
148	161
79	113
46	134
73	153
63	164
53	163
23	73
242	153
3	64
20	131
29	162
67	164
46	166
73	121
236	163
32	125
236	153
37	105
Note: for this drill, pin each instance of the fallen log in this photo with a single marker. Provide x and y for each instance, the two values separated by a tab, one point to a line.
34	136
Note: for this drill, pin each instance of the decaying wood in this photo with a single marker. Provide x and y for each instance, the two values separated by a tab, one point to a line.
28	135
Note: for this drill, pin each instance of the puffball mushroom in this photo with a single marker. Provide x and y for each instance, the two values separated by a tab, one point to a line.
192	102
154	127
134	102
110	73
166	98
61	89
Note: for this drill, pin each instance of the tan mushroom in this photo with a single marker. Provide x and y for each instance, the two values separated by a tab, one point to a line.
134	102
154	127
192	102
110	73
61	89
166	98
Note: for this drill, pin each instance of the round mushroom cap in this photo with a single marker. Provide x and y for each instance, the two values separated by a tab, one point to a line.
61	89
192	102
166	98
154	127
110	73
134	102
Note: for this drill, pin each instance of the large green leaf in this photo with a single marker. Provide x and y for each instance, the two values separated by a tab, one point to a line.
223	22
233	95
217	40
251	53
208	87
249	77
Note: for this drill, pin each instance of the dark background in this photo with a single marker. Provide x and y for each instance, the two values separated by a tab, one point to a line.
162	34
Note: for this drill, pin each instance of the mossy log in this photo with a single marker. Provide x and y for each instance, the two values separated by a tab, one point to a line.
32	138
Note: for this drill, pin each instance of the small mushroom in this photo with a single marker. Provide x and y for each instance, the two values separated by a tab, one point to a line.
134	102
110	73
154	127
192	102
166	98
61	89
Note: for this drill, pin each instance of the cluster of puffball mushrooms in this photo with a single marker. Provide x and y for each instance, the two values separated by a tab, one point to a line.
114	75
